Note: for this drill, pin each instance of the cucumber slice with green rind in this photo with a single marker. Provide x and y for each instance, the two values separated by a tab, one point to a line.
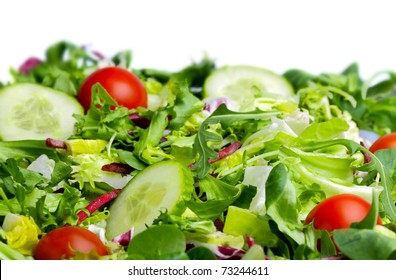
243	84
163	186
32	111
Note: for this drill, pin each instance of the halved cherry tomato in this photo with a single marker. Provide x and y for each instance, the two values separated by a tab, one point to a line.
62	243
384	142
124	86
339	211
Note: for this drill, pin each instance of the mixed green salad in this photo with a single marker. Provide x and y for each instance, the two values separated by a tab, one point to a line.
100	160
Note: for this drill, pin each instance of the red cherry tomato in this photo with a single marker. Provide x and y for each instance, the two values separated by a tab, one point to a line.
61	243
384	142
339	211
124	86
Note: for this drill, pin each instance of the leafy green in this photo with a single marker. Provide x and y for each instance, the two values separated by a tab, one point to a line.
388	159
325	130
66	65
103	121
163	242
22	233
186	223
252	200
185	105
216	196
327	248
255	252
371	218
381	115
150	137
226	118
8	253
365	244
369	102
24	149
275	185
374	165
194	75
282	202
201	253
242	222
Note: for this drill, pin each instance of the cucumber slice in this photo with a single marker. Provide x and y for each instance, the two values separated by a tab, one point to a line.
162	186
31	111
243	84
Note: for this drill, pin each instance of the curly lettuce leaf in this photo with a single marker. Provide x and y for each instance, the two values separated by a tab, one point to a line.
146	147
105	119
186	104
21	233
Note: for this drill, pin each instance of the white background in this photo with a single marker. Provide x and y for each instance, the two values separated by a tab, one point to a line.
317	36
276	269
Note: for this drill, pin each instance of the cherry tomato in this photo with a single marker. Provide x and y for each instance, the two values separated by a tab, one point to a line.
384	142
339	211
61	243
124	86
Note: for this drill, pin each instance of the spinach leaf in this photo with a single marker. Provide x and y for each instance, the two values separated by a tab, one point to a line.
365	244
162	242
201	253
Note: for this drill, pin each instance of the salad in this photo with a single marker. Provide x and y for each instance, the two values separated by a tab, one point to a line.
100	160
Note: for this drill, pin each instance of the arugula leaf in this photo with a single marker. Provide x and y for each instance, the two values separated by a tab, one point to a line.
327	248
218	195
205	152
388	159
130	159
375	165
226	118
371	218
61	171
303	252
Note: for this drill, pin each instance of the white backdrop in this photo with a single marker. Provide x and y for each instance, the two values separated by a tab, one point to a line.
318	36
